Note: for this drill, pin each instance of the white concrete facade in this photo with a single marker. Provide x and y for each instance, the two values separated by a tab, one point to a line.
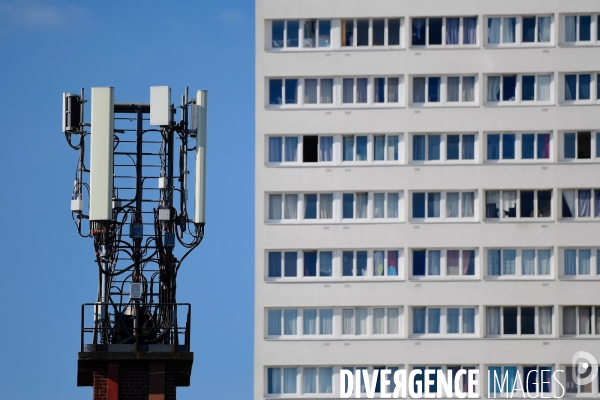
562	230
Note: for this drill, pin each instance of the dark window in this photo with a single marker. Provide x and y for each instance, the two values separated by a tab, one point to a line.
468	262
379	90
348	206
468	147
274	264
361	263
290	260
510	320
418	205
493	147
528	146
530	376
418	31
584	87
453	149
570	145
293	28
275	89
543	145
529	29
435	31
584	144
310	206
393	32
310	148
528	88
433	141
527	197
566	210
277	28
348	263
324	33
419	262
378	32
433	205
434	89
378	383
362	34
310	263
527	320
291	91
508	146
508	88
348	32
570	87
585	24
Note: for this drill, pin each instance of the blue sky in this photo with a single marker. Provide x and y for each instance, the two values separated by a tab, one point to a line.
48	271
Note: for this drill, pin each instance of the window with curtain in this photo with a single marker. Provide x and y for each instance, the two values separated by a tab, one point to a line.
273	380
325	148
309	380
418	31
290	264
326	91
325	321
492	321
433	320
433	262
348	90
290	206
348	321
325	206
362	315
325	263
379	321
493	89
453	320
275	149
452	30
290	380
310	91
419	322
379	263
274	261
309	322
545	320
325	380
361	90
275	206
419	89
274	322
468	322
289	321
470	30
291	149
393	321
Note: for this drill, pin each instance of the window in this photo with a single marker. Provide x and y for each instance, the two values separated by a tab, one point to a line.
518	146
282	264
358	263
518	204
444	321
317	380
318	91
443	32
355	90
443	205
354	148
580	203
355	205
578	29
385	32
283	91
287	34
283	207
283	149
386	90
504	31
581	320
519	88
581	262
442	263
518	321
318	206
317	149
318	264
456	90
288	322
386	205
518	262
580	145
443	147
531	379
578	87
385	147
460	89
574	382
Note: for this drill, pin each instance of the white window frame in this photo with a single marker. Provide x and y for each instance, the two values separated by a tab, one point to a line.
444	264
519	264
518	31
444	91
444	148
444	31
444	323
594	39
443	207
576	217
594	264
519	90
370	40
594	95
519	327
386	103
518	217
519	148
301	46
594	146
594	332
386	159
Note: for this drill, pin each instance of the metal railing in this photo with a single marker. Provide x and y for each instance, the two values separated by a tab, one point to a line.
135	326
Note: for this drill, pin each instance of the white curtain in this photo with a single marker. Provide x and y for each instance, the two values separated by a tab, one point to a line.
275	149
309	380
274	322
289	322
453	83
545	320
361	321
508	30
326	321
584	261
347	321
492	320
379	321
493	262
468	88
468	320
419	320
392	205
393	90
326	148
361	205
326	206
418	90
291	148
584	203
585	320
508	262
325	380
274	380
570	262
453	320
528	257
392	321
309	317
452	262
470	30
433	262
571	28
348	90
569	200
310	91
569	320
433	320
326	91
289	380
361	90
417	26
433	205
379	147
291	206
379	205
419	147
509	200
452	200
452	28
275	206
468	200
544	262
493	92
543	29
543	89
494	30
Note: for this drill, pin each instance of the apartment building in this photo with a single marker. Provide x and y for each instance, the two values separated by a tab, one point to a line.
427	191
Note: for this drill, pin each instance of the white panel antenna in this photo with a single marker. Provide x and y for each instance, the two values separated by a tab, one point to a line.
201	120
160	105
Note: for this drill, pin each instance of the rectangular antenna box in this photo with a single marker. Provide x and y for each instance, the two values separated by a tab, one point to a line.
160	105
71	115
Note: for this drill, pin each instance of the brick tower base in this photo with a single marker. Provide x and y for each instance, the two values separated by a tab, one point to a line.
134	375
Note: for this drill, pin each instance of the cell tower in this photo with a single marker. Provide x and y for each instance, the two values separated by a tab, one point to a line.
135	338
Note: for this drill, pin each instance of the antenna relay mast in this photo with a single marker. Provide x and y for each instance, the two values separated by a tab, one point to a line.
135	185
